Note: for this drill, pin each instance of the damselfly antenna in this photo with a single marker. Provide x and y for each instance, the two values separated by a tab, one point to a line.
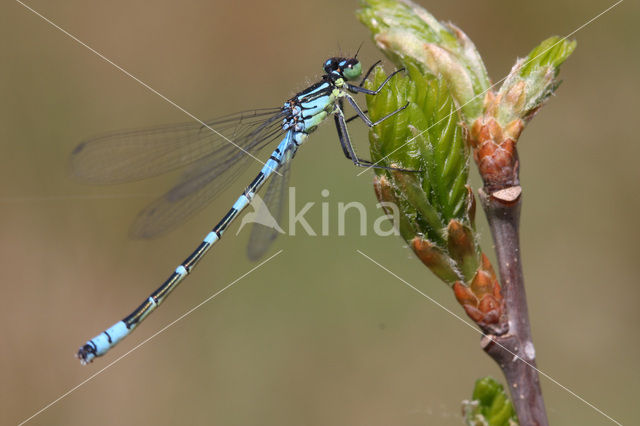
358	51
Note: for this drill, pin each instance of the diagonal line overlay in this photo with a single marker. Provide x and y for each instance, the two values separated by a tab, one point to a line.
145	341
493	85
473	327
142	83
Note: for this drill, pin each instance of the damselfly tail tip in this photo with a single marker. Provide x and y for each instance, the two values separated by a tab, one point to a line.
85	354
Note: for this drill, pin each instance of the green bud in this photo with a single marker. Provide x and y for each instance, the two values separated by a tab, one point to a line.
490	405
433	200
532	80
404	31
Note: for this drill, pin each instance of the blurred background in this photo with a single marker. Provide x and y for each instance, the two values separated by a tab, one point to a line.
319	335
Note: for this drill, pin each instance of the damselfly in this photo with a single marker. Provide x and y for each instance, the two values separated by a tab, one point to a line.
212	161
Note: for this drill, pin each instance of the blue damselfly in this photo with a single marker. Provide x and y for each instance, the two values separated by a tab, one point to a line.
212	161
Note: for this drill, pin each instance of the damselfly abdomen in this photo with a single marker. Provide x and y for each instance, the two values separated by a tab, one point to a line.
212	160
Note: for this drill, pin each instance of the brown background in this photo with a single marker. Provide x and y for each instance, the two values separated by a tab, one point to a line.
320	335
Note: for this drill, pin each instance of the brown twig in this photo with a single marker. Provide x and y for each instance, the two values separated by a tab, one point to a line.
513	351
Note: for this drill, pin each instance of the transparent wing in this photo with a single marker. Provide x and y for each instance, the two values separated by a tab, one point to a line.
198	185
138	154
211	162
272	207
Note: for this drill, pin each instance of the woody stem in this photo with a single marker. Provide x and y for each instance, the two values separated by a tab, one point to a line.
513	351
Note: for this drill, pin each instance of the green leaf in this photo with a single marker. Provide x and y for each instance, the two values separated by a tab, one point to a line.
552	52
424	137
532	80
490	405
405	32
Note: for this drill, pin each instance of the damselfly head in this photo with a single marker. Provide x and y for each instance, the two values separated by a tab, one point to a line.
349	68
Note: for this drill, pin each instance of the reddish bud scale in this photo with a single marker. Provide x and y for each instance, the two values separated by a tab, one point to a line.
384	193
435	259
458	236
482	299
495	154
461	242
427	251
461	246
471	206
